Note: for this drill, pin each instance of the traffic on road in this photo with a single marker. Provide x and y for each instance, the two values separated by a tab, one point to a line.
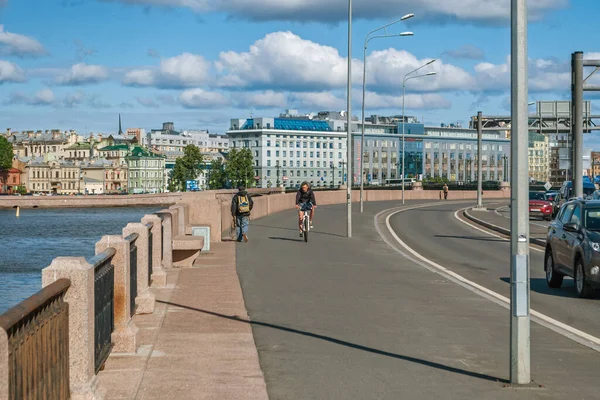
446	238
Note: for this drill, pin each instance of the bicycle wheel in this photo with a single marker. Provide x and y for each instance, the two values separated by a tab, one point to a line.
306	226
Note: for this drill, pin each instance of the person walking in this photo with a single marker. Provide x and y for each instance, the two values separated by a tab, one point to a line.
445	189
241	206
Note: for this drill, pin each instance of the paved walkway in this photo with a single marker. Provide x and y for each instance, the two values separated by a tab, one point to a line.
197	345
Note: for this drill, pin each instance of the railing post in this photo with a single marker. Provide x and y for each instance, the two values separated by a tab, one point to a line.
4	368
159	276
124	336
80	297
167	237
145	298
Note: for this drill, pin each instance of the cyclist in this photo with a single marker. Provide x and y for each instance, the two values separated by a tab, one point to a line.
305	199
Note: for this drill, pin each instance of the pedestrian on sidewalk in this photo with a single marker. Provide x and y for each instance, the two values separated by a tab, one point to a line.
445	189
241	205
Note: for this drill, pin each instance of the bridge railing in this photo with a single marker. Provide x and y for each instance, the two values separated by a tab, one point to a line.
34	351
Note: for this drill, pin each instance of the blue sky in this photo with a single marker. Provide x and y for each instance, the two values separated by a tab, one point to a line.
75	64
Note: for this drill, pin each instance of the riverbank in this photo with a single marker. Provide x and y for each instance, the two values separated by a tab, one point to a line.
160	200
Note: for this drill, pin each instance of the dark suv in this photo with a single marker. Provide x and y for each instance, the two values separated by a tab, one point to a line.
573	246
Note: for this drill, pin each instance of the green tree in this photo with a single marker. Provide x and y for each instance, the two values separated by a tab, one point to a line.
6	153
217	178
239	167
186	168
21	189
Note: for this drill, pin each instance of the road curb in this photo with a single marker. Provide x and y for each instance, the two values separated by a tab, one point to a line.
499	229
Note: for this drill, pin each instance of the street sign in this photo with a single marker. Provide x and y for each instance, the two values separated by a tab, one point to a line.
548	186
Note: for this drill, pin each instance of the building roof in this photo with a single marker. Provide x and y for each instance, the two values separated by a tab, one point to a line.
115	147
287	124
140	152
79	146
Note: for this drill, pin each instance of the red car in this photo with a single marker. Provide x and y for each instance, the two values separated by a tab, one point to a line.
539	206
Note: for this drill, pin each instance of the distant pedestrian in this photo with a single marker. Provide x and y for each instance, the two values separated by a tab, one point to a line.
445	189
241	205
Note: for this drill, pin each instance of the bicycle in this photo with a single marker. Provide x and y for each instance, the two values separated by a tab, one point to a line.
306	208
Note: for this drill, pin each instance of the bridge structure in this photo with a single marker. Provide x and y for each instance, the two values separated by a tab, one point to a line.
414	305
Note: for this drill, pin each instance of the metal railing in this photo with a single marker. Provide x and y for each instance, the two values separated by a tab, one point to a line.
104	316
38	345
149	226
132	271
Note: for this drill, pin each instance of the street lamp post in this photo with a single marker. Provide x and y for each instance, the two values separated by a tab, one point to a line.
407	77
362	139
349	123
332	175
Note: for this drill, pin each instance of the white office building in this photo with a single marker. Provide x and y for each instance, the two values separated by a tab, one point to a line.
291	149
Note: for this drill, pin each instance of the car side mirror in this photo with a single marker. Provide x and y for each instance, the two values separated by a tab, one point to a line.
571	227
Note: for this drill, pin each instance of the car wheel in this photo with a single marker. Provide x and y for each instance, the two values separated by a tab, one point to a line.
584	290
553	278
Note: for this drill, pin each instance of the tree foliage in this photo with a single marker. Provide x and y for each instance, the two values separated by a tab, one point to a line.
217	177
6	153
186	168
21	189
239	167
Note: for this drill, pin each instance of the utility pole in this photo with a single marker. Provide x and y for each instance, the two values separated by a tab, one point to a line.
520	350
278	167
349	122
332	175
577	122
479	161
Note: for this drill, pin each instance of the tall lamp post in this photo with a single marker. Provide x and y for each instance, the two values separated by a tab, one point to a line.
349	123
407	77
367	39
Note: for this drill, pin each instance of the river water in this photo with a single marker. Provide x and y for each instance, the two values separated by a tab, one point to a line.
30	242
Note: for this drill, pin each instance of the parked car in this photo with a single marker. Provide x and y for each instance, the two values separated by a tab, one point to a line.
573	246
554	198
539	206
566	191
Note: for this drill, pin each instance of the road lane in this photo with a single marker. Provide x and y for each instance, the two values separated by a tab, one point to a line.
436	234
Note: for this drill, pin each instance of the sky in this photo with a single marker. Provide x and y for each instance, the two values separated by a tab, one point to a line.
77	64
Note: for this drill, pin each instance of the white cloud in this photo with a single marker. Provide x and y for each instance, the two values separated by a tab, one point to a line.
411	101
264	99
147	102
82	74
183	71
482	11
285	60
19	45
199	98
43	97
11	72
318	100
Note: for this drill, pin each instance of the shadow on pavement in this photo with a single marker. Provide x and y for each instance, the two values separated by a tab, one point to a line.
288	239
415	360
483	239
296	230
539	285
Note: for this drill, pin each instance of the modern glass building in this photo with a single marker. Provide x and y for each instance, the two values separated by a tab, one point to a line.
430	152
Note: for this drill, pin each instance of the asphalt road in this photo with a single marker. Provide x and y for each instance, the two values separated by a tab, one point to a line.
485	259
500	215
339	318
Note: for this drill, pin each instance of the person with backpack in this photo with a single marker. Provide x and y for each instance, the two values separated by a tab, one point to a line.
241	205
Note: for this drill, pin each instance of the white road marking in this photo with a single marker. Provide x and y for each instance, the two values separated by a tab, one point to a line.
497	211
531	247
563	329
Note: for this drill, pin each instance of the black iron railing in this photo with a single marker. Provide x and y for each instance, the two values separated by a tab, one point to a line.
132	271
104	320
38	345
149	226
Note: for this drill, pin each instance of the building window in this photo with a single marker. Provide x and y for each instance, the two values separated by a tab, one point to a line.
268	153
268	163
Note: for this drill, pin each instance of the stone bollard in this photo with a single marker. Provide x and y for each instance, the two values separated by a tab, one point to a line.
145	299
167	261
159	276
125	334
83	381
